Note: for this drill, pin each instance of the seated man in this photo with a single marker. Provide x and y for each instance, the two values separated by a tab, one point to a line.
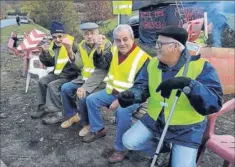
91	79
202	96
49	86
127	60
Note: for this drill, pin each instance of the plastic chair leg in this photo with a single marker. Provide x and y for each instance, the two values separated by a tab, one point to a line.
27	82
227	164
26	65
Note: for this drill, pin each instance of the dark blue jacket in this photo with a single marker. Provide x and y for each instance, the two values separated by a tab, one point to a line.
205	96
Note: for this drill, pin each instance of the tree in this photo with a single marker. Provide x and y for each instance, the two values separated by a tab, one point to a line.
44	11
96	11
3	9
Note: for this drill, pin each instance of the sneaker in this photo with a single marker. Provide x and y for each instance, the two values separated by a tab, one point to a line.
117	156
53	119
92	136
70	121
39	113
85	130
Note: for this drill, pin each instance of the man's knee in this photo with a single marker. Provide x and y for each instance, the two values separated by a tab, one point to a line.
66	88
42	81
91	98
128	141
123	113
51	86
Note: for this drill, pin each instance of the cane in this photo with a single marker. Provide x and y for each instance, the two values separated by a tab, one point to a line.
178	93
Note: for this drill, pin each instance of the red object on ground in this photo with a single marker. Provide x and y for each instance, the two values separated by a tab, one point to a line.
222	145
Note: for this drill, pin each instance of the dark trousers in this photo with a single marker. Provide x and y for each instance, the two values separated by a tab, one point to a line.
49	92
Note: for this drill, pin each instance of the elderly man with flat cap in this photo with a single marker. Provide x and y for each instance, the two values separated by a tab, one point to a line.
158	82
73	94
56	54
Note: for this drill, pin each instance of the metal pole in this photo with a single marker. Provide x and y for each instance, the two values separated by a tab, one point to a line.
178	93
119	18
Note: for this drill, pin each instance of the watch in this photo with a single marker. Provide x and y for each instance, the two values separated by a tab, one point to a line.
186	90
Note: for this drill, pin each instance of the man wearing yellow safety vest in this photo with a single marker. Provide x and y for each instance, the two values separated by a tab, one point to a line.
127	61
158	82
49	86
74	93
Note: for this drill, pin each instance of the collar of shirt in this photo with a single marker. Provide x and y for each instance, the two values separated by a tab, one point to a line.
88	48
55	46
121	57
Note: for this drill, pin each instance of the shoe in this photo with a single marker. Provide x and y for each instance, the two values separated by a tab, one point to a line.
92	136
85	130
39	113
117	156
53	119
107	152
70	121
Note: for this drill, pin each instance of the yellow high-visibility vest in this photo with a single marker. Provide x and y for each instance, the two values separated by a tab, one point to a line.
121	76
62	56
87	60
184	113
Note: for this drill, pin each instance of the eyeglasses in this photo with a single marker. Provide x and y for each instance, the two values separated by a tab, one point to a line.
57	36
160	44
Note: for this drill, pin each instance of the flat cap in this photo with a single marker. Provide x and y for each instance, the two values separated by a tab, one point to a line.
88	26
175	32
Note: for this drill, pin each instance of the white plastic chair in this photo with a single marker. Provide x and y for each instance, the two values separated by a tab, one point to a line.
36	71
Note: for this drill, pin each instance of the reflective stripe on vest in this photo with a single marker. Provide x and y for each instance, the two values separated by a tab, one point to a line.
121	76
184	113
87	60
62	58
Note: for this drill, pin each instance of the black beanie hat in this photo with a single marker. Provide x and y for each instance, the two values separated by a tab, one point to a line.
175	32
57	27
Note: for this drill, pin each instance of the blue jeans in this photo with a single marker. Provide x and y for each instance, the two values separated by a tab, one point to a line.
138	137
123	115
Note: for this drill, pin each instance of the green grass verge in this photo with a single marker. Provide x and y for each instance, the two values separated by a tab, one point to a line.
6	31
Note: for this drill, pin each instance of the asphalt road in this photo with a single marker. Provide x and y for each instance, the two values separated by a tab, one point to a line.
7	22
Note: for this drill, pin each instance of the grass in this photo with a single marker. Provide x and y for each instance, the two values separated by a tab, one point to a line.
6	31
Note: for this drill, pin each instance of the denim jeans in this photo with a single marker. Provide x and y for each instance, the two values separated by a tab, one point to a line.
123	115
138	137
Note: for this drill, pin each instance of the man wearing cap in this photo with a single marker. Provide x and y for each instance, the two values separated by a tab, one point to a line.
49	86
202	95
127	60
73	94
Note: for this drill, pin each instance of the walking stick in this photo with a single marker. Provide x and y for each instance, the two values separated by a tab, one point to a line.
178	93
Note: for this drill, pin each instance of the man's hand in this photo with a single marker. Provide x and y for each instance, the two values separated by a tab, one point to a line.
99	40
44	48
126	98
81	93
173	83
68	45
114	105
